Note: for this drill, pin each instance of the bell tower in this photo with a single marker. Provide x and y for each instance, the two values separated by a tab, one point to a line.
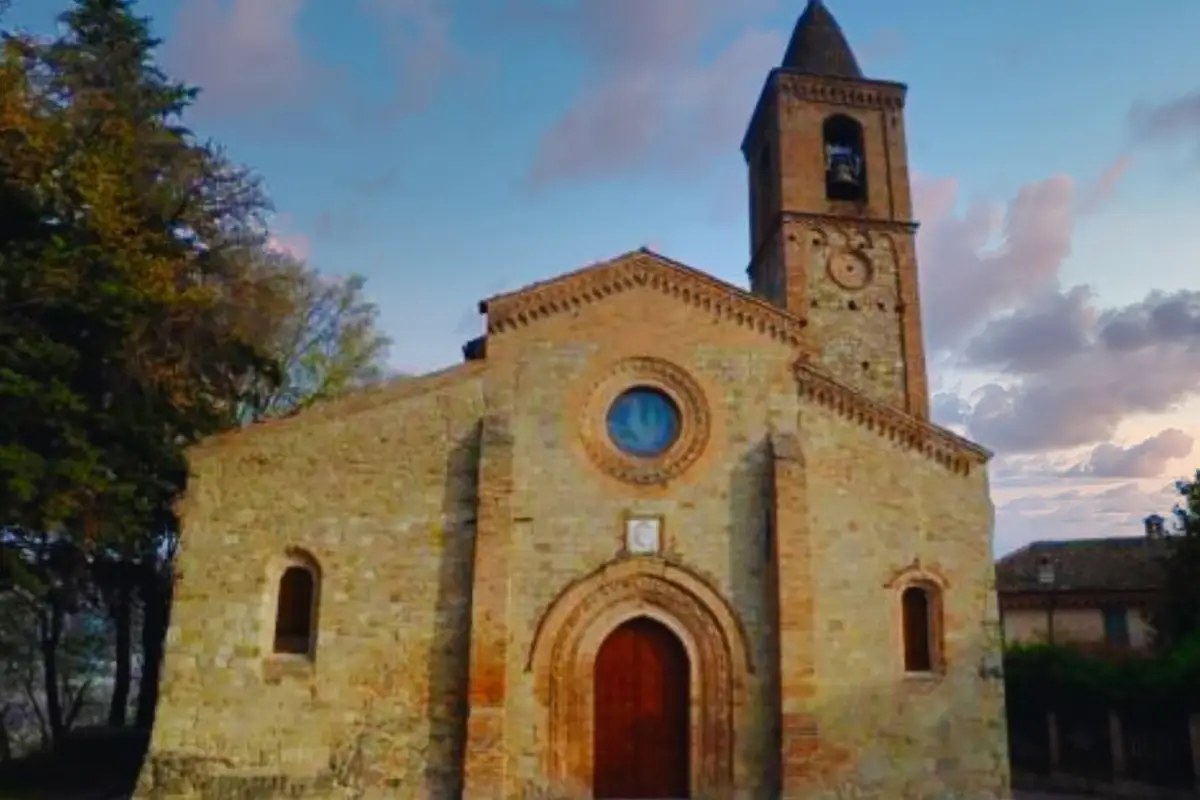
832	238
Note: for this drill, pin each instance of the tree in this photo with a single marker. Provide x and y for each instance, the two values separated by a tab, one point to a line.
116	242
140	310
320	330
1177	620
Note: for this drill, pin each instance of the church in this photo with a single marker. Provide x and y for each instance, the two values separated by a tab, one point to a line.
657	536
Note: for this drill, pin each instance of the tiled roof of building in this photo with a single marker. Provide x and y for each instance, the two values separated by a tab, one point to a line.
818	46
1125	564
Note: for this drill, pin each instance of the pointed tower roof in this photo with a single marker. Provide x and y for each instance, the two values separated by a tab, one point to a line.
818	46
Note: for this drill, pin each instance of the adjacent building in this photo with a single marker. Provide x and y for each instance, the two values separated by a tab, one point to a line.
1092	593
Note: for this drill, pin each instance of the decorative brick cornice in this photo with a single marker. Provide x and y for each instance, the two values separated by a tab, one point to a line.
642	268
953	452
859	93
884	95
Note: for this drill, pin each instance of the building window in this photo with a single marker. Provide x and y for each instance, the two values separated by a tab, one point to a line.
919	609
644	422
295	613
1116	627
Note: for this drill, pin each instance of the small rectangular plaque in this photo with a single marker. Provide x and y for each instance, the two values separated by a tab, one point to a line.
642	535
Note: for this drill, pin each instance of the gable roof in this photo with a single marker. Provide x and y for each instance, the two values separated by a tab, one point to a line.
1125	564
642	269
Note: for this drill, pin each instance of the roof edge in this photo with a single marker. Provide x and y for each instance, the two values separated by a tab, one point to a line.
645	267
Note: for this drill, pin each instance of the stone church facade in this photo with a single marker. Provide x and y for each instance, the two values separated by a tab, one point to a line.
657	536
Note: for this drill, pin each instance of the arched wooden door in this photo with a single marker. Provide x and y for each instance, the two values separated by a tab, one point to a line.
642	709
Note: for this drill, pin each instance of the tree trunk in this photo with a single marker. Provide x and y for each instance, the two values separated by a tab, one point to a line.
5	737
120	610
156	599
52	631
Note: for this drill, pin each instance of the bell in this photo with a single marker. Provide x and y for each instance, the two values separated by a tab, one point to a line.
844	168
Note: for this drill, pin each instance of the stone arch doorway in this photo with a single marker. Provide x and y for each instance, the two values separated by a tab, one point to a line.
568	640
642	713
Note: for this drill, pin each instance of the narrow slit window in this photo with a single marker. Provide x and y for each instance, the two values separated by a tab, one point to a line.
917	606
294	616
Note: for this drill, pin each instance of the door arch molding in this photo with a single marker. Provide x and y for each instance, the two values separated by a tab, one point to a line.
563	658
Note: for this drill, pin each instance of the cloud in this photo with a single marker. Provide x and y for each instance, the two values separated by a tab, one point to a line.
1176	120
1054	373
1105	187
1037	336
1147	459
282	240
418	42
653	100
249	60
1078	514
1097	369
949	409
990	257
244	54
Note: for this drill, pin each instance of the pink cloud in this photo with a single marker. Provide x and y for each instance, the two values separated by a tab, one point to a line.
991	257
1146	459
653	101
244	54
297	245
418	42
248	58
1112	510
1105	187
283	241
1064	373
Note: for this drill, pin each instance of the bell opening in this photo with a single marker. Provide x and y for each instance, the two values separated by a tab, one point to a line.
845	160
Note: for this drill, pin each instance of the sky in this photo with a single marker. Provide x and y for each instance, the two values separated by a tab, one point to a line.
449	150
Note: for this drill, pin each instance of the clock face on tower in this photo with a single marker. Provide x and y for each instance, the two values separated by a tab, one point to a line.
850	269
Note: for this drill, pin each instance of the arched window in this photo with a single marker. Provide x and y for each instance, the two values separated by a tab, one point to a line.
845	159
295	629
920	610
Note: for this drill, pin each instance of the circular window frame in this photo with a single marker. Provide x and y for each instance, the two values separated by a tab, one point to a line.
646	390
657	375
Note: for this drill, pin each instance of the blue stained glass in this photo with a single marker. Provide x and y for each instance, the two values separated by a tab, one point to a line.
643	422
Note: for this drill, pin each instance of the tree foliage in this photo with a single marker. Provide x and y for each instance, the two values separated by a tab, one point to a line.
140	310
1177	620
114	356
1064	677
321	330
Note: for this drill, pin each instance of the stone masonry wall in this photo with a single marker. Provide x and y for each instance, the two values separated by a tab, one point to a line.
880	516
383	491
571	513
380	491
